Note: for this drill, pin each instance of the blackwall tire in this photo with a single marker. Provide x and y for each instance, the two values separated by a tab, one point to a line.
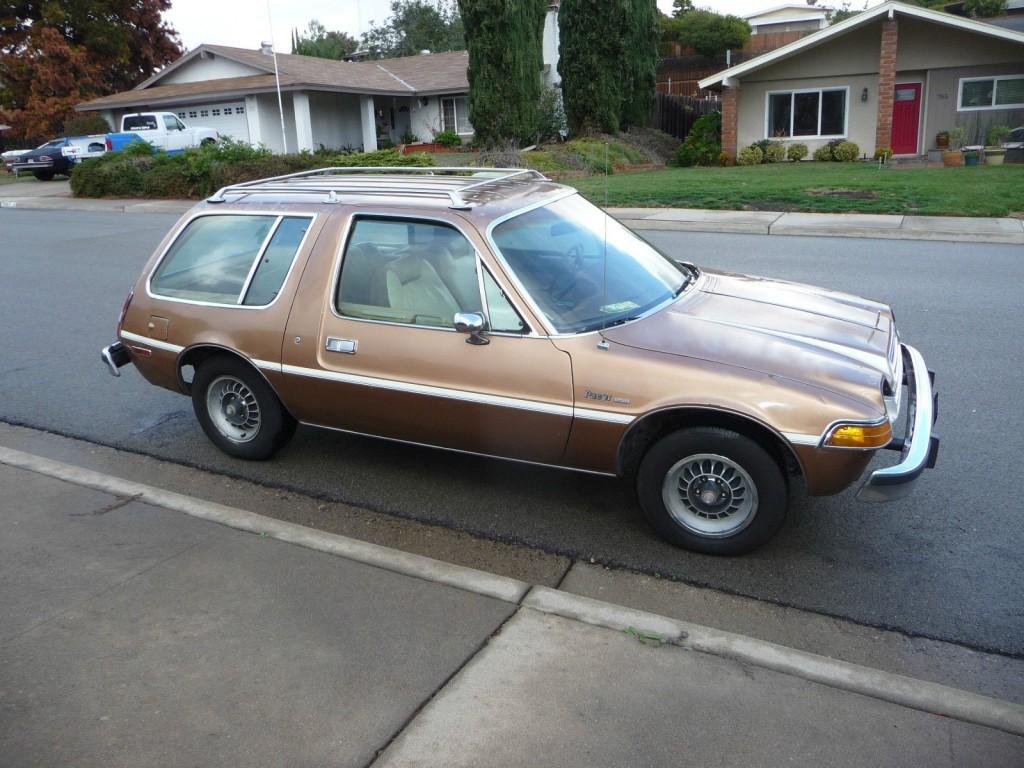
712	490
238	410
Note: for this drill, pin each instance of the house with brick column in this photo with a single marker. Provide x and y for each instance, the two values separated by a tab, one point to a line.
892	76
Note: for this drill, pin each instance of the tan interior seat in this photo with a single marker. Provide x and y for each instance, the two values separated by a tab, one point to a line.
412	286
455	261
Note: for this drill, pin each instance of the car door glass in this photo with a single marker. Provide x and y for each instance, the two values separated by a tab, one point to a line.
170	122
407	271
501	315
276	261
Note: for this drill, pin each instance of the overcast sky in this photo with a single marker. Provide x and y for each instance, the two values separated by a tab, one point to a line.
244	23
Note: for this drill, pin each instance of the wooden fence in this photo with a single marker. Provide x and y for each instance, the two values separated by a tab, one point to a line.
676	115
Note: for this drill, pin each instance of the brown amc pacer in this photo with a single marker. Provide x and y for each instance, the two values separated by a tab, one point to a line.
498	313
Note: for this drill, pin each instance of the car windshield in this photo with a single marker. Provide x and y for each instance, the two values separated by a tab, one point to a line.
52	144
585	270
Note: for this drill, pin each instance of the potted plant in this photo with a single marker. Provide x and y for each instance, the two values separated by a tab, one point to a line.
994	151
952	156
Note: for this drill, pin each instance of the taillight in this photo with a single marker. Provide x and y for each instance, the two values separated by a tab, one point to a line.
109	143
124	311
44	158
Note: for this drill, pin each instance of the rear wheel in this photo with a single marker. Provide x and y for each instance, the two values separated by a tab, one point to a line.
238	410
712	490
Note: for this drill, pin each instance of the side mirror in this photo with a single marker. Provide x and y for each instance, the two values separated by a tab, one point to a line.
473	324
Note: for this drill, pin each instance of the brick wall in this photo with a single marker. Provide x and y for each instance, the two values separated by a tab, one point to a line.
886	83
730	98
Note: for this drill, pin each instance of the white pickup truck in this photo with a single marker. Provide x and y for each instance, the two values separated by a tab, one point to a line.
161	129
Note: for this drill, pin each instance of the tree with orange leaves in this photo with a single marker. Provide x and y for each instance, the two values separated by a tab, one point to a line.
54	55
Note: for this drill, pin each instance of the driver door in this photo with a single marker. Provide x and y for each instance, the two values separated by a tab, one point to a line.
389	362
175	135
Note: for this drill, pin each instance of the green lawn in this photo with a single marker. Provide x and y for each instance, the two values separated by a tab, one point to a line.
823	187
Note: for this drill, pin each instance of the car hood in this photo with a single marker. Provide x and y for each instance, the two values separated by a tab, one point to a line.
824	338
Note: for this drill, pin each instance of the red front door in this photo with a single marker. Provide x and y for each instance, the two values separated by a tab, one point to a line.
906	115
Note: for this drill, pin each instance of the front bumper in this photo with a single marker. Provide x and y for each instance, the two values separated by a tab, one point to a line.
24	165
919	448
116	357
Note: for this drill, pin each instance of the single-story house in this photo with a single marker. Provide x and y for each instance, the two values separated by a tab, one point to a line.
892	76
325	102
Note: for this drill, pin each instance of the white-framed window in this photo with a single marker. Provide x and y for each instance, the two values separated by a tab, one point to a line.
455	114
810	113
215	112
239	110
192	114
181	115
204	113
998	92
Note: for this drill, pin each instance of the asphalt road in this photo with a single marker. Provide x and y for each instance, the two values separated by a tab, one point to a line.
945	563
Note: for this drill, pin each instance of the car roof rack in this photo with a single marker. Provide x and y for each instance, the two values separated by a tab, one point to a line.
416	181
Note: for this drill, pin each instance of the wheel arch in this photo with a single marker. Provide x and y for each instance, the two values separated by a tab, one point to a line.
651	427
198	353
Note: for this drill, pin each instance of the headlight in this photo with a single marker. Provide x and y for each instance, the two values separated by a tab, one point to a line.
852	435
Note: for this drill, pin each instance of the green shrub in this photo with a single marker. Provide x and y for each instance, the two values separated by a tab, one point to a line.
448	139
996	135
140	171
703	143
774	152
796	152
845	152
823	153
751	155
883	154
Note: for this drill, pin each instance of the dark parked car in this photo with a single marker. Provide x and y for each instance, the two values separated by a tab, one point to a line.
58	156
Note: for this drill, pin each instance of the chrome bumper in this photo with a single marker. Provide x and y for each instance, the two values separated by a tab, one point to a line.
919	448
116	357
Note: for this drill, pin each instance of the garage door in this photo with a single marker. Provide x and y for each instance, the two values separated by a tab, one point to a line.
226	119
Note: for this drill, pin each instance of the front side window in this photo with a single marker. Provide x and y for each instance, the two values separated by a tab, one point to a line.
992	92
809	114
583	269
408	271
230	259
170	122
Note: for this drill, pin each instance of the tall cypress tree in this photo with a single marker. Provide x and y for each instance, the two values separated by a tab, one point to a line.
640	66
504	39
592	41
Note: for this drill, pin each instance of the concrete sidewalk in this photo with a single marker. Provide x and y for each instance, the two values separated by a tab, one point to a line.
57	196
134	634
950	228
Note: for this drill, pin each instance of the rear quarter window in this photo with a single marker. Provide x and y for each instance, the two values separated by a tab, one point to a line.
230	259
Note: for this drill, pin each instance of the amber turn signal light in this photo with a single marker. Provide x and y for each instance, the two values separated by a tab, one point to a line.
859	435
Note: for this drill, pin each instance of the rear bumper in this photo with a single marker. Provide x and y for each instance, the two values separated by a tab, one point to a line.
919	448
116	357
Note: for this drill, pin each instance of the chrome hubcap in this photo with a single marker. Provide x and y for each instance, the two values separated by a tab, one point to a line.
233	409
710	495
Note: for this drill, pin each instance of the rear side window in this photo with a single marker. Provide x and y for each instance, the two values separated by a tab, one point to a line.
140	123
230	259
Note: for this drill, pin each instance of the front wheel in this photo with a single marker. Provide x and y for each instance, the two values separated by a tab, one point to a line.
712	490
238	410
44	175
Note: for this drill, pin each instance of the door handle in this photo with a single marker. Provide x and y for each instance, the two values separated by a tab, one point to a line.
347	346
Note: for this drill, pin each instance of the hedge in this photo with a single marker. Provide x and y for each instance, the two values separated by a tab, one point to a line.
141	171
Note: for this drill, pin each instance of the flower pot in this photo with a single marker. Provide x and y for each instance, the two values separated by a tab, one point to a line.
994	155
952	158
971	158
942	140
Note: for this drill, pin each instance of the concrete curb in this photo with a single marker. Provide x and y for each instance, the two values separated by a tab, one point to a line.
897	689
115	206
